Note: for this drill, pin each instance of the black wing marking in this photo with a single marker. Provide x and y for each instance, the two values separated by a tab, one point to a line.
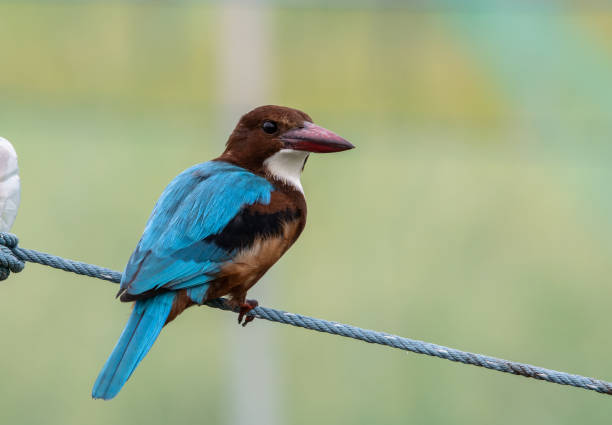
250	225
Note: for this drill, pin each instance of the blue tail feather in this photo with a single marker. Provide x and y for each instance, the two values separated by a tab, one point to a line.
143	327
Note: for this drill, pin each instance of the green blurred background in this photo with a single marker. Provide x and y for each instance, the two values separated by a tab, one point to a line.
475	212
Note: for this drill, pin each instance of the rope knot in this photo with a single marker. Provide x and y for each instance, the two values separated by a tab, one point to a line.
9	262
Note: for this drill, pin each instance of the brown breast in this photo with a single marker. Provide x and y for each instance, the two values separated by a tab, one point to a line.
262	234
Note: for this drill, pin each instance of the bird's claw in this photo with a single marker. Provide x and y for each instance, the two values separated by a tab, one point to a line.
247	306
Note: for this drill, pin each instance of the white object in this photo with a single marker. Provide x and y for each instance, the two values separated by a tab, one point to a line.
10	189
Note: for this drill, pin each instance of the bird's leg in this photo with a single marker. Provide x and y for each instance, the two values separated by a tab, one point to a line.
245	307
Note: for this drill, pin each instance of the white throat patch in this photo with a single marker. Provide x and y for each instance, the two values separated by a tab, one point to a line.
286	165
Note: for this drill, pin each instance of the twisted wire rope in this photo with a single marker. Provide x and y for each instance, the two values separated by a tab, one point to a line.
13	258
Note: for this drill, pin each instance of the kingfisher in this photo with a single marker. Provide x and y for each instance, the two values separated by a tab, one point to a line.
216	229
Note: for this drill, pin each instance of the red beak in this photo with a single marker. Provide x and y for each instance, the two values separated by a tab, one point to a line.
313	138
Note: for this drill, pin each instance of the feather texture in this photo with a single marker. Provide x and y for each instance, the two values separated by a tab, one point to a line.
173	252
146	322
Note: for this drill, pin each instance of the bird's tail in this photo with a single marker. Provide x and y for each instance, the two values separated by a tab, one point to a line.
146	322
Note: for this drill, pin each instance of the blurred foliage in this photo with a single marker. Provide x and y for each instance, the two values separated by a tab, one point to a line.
474	213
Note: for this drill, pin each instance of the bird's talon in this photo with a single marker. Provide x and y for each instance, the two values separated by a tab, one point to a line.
244	309
248	320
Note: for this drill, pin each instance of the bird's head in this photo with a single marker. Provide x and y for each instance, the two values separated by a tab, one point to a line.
276	141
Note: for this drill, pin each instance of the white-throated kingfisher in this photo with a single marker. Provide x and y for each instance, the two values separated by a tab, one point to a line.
216	229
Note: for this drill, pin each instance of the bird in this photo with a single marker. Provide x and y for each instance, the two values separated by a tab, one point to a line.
216	229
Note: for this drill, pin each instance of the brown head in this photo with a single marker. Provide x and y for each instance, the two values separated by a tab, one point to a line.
275	141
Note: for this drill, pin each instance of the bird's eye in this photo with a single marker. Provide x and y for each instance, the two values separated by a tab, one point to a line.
269	127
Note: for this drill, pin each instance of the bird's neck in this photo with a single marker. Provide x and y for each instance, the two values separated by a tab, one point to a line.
283	168
286	166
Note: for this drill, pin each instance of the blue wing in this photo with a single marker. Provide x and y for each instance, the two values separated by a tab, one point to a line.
173	252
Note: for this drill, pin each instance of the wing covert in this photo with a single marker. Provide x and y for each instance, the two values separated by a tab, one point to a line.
198	203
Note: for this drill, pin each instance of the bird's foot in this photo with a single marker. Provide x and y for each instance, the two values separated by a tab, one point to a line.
245	307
